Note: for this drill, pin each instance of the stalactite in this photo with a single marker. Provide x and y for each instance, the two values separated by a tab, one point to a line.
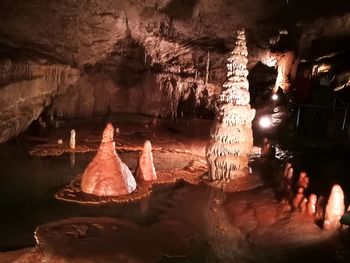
231	138
27	71
207	69
284	64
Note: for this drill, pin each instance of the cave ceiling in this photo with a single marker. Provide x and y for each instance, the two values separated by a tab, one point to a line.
86	32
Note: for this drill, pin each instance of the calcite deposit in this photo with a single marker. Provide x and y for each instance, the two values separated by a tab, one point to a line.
303	180
335	208
231	138
72	139
107	175
145	168
311	205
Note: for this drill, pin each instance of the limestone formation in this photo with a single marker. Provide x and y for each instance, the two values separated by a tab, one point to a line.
311	205
231	138
335	208
145	169
298	198
288	165
303	180
72	139
302	205
287	185
107	175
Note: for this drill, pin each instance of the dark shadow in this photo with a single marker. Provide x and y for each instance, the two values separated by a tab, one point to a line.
180	9
261	81
125	65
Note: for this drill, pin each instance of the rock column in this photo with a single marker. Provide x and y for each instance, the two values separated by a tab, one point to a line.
231	138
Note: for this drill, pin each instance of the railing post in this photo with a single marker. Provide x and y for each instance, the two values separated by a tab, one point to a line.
344	120
298	119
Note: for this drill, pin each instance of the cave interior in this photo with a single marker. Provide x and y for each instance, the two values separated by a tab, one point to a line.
174	131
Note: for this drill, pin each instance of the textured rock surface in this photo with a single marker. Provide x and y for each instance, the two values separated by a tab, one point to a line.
26	88
107	175
145	168
231	136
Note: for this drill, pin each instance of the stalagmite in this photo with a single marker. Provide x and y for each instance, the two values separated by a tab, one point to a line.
302	205
287	185
231	138
107	175
145	168
298	198
311	205
285	170
72	139
335	208
303	181
320	208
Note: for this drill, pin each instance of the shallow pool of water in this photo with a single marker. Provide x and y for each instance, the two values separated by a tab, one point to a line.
28	185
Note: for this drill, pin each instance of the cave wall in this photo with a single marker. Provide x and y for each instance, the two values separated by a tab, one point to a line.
27	88
141	56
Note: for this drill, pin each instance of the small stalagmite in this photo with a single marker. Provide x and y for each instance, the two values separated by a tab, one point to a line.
145	169
298	198
302	205
107	175
286	168
287	185
72	139
335	208
311	205
303	180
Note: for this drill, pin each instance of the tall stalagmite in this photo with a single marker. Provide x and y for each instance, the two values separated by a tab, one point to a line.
231	137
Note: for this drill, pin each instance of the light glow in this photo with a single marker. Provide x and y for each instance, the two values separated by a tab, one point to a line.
265	122
274	97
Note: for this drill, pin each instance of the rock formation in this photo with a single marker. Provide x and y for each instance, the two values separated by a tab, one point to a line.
145	169
286	184
303	180
72	139
298	198
335	208
26	88
107	175
231	138
311	205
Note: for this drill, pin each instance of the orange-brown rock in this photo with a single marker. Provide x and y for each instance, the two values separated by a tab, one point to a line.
303	180
107	175
145	168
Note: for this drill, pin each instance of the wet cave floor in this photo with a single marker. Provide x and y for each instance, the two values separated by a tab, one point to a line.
178	222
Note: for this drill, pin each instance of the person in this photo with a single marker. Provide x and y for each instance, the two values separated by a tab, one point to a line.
302	88
301	93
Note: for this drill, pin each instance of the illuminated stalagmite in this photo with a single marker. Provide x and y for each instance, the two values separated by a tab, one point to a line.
335	208
231	138
107	175
311	205
145	168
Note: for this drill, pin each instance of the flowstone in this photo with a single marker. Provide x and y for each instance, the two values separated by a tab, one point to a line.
231	137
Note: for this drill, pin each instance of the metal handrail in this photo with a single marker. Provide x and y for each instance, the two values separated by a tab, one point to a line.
299	105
